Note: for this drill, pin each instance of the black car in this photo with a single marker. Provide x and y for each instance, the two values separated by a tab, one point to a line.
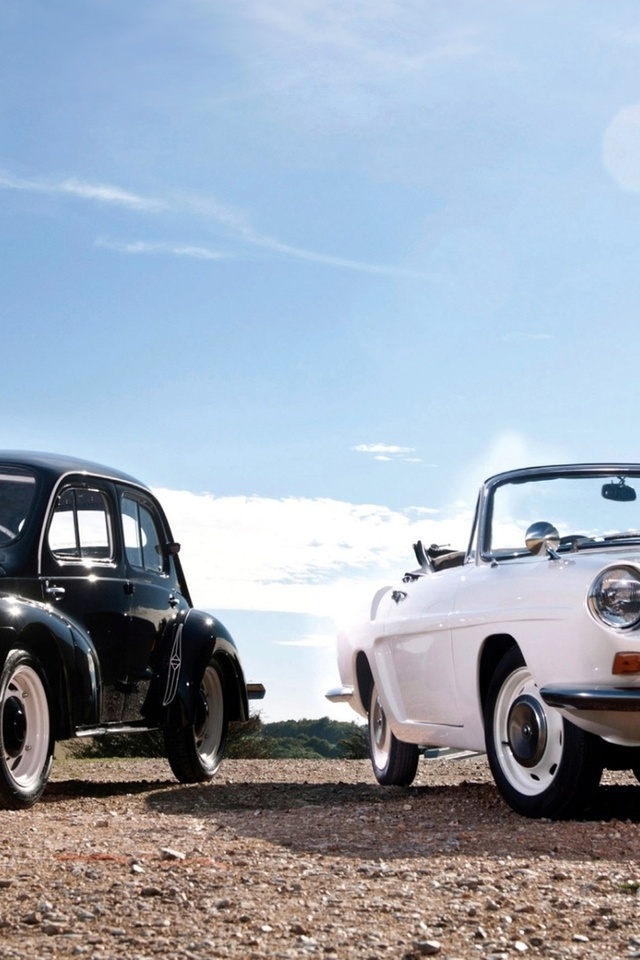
98	634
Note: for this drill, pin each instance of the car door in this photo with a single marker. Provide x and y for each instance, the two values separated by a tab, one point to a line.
414	657
156	592
83	575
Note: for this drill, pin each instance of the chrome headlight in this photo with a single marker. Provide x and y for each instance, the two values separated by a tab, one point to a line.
614	597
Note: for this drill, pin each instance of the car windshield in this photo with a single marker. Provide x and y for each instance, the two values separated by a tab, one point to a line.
17	489
585	511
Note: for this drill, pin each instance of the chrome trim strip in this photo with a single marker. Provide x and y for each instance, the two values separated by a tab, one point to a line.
114	728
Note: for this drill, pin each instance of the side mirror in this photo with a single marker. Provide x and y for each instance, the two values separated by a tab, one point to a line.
172	549
541	537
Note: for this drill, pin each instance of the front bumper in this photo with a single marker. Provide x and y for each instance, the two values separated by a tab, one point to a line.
578	699
340	694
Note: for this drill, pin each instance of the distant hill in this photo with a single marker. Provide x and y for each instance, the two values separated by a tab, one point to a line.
319	739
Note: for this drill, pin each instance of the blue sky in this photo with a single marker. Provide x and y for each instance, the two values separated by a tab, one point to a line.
312	269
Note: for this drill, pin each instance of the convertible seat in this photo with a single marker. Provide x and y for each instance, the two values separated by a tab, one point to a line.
455	558
436	557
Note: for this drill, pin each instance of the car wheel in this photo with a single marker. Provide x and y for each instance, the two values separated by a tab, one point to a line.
543	765
394	762
195	753
26	743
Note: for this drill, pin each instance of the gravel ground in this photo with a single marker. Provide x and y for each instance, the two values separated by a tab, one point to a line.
312	859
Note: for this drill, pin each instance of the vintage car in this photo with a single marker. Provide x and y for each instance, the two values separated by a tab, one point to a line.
525	646
97	631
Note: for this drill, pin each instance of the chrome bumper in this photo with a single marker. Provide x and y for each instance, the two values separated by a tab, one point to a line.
340	694
613	699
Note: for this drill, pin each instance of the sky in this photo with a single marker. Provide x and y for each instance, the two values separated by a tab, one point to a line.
313	270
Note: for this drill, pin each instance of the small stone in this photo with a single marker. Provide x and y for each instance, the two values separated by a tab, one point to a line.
169	854
428	948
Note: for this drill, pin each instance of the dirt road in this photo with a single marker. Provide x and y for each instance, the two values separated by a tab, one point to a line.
289	859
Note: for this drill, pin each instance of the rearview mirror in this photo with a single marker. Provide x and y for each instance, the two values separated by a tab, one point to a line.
619	492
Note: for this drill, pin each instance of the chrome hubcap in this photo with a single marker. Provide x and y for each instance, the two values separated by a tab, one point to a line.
527	731
14	727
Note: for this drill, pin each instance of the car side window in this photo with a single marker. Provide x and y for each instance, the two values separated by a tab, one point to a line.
17	490
142	538
80	528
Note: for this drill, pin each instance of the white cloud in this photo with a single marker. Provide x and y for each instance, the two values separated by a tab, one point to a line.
387	451
162	247
388	36
99	192
381	448
621	148
321	557
359	67
511	450
235	222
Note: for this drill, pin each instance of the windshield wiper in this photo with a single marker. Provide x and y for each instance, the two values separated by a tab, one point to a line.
574	541
623	535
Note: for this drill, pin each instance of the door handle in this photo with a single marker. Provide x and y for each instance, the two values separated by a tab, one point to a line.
54	592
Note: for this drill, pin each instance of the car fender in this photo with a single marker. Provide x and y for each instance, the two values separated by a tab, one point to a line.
188	645
66	654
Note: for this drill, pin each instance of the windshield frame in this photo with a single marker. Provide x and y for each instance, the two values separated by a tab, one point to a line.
606	471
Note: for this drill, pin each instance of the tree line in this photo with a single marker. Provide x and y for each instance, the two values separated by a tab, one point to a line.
320	739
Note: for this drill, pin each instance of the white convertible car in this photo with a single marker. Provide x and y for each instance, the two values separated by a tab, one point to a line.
525	646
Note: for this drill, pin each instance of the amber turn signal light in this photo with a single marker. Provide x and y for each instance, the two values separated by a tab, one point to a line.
626	663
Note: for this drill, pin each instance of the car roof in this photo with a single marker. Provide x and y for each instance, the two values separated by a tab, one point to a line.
55	465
